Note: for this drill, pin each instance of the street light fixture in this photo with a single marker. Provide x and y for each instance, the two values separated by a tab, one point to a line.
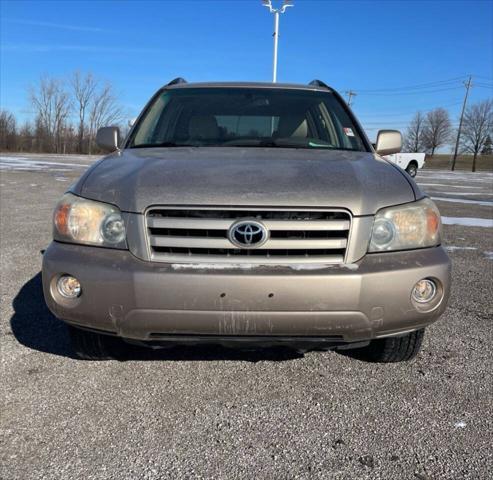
276	11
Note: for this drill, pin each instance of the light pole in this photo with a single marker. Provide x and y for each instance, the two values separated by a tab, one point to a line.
276	12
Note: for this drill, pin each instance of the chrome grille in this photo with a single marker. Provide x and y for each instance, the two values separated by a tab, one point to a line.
200	235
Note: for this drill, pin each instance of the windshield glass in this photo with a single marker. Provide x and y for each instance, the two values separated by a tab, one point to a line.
246	117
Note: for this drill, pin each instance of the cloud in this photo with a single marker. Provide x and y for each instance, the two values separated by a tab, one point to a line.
62	26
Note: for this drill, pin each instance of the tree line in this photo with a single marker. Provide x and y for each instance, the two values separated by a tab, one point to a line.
433	130
66	116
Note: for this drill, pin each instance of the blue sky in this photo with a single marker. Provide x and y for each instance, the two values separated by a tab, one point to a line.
360	45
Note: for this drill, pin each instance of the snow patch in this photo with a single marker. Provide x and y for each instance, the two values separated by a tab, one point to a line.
310	266
250	266
460	424
463	200
213	266
461	180
489	255
466	193
445	185
453	248
351	266
468	221
440	173
23	164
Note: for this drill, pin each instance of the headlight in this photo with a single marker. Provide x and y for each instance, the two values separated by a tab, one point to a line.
415	225
78	220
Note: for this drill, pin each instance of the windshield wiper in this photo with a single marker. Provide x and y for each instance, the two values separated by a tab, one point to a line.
256	144
283	143
162	144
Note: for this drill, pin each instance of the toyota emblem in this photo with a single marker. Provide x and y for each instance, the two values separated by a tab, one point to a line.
248	234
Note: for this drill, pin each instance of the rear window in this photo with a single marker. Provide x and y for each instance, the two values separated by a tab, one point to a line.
246	117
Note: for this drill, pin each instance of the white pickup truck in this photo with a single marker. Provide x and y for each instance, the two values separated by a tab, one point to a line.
410	162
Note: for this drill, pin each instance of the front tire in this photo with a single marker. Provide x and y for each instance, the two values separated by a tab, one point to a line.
412	169
94	346
391	349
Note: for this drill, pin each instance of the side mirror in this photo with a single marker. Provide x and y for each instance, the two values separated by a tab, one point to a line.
388	142
107	138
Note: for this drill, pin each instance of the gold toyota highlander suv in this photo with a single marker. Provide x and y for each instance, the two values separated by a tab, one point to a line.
247	214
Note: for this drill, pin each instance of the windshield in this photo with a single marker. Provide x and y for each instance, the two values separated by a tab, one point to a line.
246	117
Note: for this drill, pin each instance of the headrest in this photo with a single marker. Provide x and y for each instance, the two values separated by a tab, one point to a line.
203	127
292	126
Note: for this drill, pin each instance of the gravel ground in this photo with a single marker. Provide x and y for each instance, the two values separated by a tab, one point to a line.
216	413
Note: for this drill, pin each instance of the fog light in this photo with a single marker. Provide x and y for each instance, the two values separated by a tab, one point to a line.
68	287
424	291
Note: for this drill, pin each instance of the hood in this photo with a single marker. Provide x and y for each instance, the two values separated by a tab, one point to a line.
135	179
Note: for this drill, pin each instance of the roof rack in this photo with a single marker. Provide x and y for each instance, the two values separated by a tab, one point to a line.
319	83
176	81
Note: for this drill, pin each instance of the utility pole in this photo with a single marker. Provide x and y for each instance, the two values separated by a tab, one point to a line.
468	86
276	12
350	94
276	43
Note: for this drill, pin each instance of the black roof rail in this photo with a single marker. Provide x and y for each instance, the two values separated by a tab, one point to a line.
176	81
319	83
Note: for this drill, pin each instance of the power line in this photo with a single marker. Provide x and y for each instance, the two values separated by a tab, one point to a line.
402	114
420	89
413	87
422	92
400	123
388	125
480	76
393	125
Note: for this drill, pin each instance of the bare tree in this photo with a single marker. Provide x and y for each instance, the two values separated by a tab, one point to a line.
42	141
437	129
92	103
477	128
413	139
487	148
83	89
8	131
52	105
104	111
26	138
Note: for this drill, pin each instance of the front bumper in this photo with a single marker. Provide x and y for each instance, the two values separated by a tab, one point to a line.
146	301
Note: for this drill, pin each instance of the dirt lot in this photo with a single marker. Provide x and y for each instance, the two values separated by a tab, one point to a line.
215	413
